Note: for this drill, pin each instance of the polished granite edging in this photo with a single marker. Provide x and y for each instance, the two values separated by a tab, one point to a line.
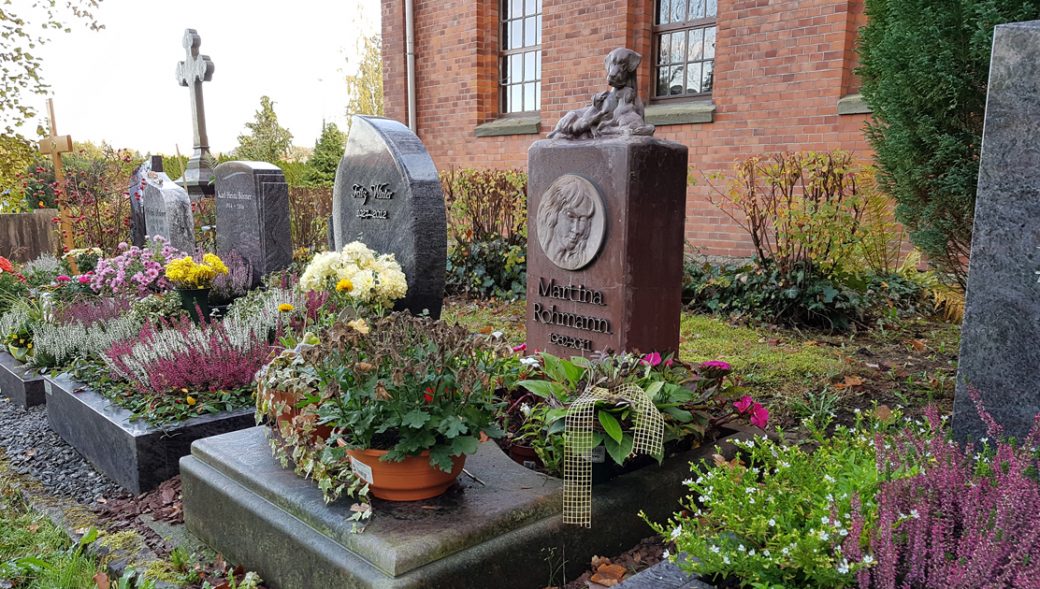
134	454
19	383
507	534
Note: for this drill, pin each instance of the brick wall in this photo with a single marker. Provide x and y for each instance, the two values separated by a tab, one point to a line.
781	66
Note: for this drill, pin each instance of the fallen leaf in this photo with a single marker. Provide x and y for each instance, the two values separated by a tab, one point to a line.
487	329
918	345
608	575
598	561
851	382
883	412
101	580
33	528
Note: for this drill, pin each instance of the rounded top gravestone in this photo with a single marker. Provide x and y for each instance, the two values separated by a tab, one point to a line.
388	196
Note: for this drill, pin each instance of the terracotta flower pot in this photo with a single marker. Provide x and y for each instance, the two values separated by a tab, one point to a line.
412	479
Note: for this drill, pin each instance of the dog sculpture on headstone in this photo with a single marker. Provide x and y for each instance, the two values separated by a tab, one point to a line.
617	111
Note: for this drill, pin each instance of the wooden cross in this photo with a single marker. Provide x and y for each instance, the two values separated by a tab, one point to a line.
55	145
192	72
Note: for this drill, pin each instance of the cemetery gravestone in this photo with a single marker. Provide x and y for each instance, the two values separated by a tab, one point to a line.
388	196
606	209
138	230
1000	355
253	216
167	211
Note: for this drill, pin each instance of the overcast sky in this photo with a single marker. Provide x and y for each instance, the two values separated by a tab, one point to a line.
119	85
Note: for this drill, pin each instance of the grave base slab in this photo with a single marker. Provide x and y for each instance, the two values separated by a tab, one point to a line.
19	383
504	531
134	454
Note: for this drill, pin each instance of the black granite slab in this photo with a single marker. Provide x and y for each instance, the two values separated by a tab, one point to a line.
505	531
19	383
134	454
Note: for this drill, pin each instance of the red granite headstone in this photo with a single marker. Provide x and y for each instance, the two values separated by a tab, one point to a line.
605	245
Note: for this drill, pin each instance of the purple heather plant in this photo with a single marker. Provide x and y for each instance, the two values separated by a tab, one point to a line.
90	312
967	518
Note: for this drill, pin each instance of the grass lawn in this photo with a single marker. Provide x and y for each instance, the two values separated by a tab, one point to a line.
797	374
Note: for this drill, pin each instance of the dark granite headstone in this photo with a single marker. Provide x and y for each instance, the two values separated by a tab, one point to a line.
135	192
605	245
253	216
167	211
388	196
1000	337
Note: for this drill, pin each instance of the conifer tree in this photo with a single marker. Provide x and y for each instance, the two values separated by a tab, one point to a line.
266	140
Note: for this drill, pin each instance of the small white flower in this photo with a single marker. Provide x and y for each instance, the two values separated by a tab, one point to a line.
772	523
914	514
843	568
676	532
529	361
688	482
751	552
715	549
868	559
786	550
825	520
824	536
828	478
750	490
703	498
765	552
725	559
843	532
665	554
741	548
984	440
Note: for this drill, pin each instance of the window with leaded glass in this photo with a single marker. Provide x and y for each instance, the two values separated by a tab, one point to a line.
684	48
520	61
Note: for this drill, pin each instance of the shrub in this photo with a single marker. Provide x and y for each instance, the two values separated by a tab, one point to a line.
309	212
487	232
928	107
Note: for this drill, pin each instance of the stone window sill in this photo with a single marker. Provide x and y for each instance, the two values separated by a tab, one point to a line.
522	125
680	113
853	104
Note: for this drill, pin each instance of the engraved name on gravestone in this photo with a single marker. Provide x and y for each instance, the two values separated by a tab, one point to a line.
1000	354
135	192
167	211
606	208
253	216
388	196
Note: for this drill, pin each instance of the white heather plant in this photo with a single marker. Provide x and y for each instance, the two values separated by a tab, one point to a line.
57	345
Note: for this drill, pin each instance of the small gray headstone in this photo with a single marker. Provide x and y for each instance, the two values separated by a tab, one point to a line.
1000	338
388	196
253	216
167	211
138	230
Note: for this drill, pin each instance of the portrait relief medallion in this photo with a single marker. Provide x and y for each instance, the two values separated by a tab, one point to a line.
571	222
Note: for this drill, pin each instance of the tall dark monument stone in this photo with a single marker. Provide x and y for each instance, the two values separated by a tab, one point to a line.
606	209
388	196
192	72
1000	337
253	216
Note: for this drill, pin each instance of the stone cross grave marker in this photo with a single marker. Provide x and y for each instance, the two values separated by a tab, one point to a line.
192	72
605	229
135	192
1000	337
388	196
253	216
167	211
55	145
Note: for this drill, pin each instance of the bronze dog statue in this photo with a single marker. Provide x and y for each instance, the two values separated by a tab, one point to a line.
617	111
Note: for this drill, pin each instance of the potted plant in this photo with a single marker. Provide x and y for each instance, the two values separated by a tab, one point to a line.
193	279
407	399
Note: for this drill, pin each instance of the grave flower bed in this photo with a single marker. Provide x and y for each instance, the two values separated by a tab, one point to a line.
131	379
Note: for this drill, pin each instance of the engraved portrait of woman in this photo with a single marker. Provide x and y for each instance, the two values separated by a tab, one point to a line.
570	222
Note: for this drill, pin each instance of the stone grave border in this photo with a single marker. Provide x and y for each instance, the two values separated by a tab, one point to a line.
288	552
19	383
134	454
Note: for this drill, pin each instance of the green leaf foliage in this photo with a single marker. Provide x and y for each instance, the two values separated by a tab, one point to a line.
925	68
265	140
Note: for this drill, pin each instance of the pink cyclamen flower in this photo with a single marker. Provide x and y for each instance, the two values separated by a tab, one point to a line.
63	278
744	404
83	279
520	348
716	365
759	416
653	359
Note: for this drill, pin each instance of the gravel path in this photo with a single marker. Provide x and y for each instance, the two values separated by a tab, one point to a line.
31	448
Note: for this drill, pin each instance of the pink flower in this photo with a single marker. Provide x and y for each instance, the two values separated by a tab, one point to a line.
744	404
520	348
83	279
759	416
63	278
653	359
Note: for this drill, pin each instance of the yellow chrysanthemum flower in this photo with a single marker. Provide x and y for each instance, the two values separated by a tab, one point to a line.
359	325
344	285
285	308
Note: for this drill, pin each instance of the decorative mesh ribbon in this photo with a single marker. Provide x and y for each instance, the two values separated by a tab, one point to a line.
648	433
